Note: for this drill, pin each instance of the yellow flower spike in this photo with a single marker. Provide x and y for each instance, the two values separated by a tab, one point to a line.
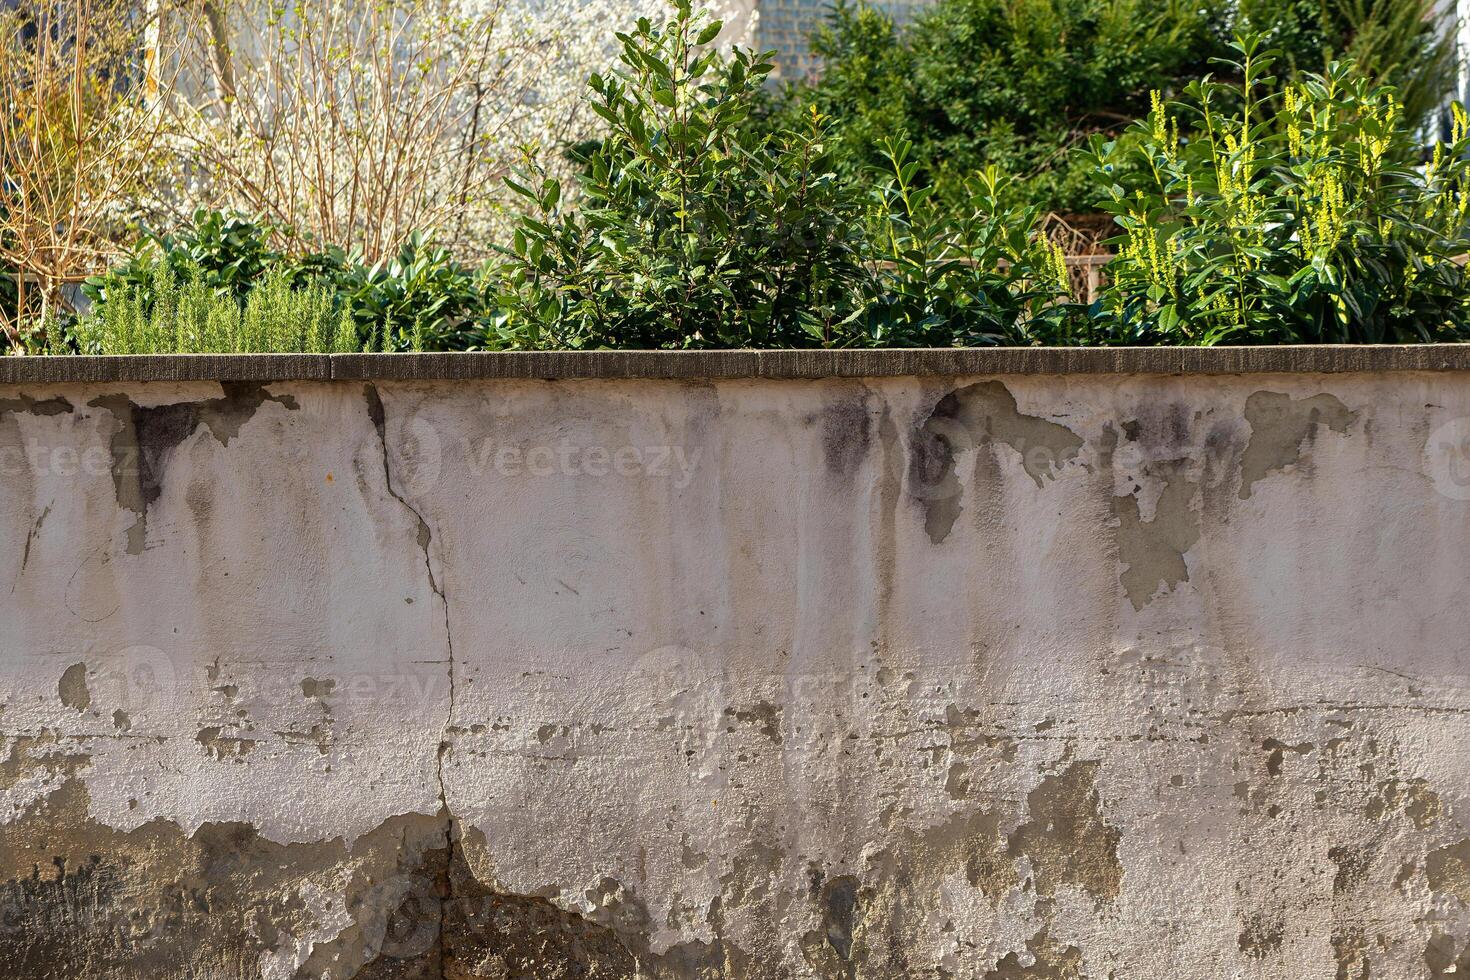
1294	126
1058	261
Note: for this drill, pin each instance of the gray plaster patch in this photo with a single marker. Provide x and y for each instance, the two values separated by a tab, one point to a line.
838	899
1066	837
1350	949
312	687
220	746
1445	956
1043	960
1448	870
1279	425
26	405
1154	550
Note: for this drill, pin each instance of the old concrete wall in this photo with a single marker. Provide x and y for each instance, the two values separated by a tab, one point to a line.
1059	676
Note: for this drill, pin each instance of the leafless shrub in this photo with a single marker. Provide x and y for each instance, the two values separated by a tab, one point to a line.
81	138
355	124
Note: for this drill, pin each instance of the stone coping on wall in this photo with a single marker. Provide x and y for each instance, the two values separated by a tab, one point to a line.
1315	359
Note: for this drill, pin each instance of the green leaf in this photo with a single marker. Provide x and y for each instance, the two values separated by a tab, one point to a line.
710	32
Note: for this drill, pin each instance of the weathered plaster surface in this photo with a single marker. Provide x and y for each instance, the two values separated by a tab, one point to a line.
1105	676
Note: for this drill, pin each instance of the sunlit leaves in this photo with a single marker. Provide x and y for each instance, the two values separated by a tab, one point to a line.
1289	212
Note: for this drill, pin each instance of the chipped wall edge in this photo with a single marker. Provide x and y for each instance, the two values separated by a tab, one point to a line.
901	362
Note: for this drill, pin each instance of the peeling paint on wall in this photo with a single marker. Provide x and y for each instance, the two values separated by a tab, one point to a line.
1279	426
1154	550
1087	677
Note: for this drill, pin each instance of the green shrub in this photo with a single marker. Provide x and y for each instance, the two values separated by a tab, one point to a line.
187	315
1294	219
421	299
1250	210
1005	83
696	228
1403	43
1016	83
227	253
971	274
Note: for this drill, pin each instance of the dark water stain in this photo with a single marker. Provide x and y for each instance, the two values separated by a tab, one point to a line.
144	437
980	414
847	433
26	405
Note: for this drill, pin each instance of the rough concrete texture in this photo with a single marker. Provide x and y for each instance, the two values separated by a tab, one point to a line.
729	364
1004	679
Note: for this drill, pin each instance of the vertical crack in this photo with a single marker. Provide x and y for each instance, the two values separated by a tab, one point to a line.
425	538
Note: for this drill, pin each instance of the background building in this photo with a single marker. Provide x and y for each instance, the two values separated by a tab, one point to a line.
785	25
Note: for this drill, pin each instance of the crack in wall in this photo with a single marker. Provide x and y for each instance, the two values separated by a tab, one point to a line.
378	414
895	891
